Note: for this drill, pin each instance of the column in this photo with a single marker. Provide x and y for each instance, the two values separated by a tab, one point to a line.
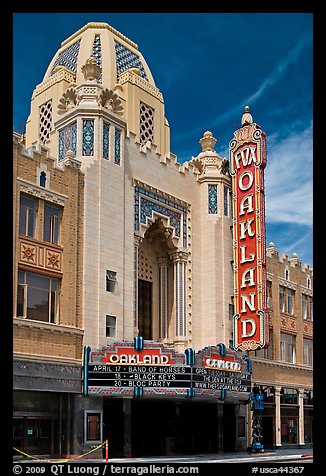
220	439
277	390
163	296
249	426
138	240
301	417
179	270
127	427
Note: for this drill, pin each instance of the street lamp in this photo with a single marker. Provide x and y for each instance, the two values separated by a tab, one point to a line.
257	427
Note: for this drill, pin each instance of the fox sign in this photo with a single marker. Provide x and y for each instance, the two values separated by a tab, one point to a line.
247	163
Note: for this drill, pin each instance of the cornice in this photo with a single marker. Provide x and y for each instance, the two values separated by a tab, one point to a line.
41	192
286	365
39	325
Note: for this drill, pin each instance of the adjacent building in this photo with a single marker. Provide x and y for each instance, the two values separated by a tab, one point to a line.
114	239
284	370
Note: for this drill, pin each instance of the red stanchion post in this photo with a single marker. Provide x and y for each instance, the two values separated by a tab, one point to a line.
106	450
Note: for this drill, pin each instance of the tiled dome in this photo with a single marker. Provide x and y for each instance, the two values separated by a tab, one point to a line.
113	51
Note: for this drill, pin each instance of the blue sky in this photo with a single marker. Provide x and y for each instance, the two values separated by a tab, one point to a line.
209	66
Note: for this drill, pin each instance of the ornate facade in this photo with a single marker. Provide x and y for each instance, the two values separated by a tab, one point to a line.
114	239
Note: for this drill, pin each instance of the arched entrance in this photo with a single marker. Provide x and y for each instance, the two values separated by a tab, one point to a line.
155	282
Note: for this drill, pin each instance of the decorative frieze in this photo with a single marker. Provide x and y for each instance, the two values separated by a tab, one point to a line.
147	203
308	328
288	323
40	255
39	192
129	76
287	284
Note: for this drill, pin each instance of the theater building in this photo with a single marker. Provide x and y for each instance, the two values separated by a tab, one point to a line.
123	279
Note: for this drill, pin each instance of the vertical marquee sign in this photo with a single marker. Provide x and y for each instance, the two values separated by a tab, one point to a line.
247	163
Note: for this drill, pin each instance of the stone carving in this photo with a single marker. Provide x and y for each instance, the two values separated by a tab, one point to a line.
68	100
91	70
111	101
208	141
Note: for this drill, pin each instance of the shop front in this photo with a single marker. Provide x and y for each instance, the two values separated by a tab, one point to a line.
154	401
288	417
43	407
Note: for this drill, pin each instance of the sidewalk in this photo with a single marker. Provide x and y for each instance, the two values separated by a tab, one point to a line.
282	455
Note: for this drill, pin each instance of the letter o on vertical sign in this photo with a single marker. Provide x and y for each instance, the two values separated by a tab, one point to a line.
250	182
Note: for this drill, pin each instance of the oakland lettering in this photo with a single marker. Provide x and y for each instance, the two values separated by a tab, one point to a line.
244	162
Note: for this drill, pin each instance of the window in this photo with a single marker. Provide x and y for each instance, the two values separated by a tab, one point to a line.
231	308
38	297
282	299
45	118
304	306
106	129
227	201
287	274
111	279
286	300
52	219
110	326
308	352
42	179
287	348
263	353
290	299
27	216
117	146
269	295
307	307
146	123
93	427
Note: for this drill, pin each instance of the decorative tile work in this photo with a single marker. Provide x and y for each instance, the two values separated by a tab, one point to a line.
146	123
68	58
68	140
227	201
125	59
97	52
146	202
212	199
117	146
88	137
45	117
105	150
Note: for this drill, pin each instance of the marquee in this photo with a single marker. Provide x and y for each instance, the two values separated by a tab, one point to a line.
145	368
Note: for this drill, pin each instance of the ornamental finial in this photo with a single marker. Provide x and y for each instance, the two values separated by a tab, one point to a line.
208	141
91	70
246	117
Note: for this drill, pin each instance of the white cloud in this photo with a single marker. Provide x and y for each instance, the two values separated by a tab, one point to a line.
288	178
279	69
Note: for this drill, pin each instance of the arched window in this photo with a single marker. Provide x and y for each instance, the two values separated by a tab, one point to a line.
287	274
42	179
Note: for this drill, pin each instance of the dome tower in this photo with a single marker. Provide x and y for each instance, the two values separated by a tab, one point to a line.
122	75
